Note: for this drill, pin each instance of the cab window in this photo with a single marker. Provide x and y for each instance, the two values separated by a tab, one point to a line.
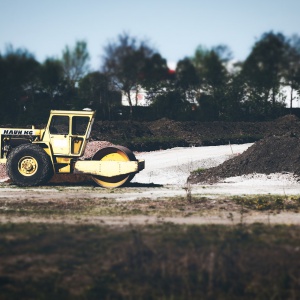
59	125
79	125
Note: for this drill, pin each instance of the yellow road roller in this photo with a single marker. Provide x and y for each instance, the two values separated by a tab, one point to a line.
33	156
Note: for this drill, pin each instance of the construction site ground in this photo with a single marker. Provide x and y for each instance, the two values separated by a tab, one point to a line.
160	193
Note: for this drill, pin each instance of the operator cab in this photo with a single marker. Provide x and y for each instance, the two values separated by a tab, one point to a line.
68	132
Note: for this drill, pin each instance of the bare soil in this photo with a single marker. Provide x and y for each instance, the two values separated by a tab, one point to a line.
165	133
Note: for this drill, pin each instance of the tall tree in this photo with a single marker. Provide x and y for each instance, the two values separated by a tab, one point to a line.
187	83
292	71
223	52
95	92
52	77
213	76
263	70
154	75
235	96
18	83
186	75
52	86
171	104
125	62
75	62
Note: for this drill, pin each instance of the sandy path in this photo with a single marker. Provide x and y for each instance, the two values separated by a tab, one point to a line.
173	166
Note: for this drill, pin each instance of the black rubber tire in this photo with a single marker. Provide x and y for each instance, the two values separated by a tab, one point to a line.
43	167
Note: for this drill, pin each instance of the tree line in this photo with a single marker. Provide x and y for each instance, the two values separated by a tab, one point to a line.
206	86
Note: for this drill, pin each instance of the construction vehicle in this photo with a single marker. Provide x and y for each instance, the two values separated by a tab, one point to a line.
33	156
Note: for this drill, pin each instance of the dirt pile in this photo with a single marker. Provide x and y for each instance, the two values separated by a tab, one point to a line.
119	130
270	155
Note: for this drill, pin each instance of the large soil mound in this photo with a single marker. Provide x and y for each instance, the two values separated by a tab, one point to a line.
271	155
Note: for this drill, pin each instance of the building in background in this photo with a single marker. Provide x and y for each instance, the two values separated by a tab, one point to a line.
138	98
288	94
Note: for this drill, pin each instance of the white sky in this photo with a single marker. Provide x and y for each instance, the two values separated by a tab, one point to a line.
175	28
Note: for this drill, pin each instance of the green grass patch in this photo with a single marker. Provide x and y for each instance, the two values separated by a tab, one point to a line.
198	171
269	202
194	205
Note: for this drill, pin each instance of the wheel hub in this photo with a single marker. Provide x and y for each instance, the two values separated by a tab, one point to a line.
27	166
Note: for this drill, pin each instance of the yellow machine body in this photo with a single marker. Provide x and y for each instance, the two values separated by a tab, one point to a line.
64	140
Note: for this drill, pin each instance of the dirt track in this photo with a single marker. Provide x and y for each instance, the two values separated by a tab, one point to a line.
133	205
